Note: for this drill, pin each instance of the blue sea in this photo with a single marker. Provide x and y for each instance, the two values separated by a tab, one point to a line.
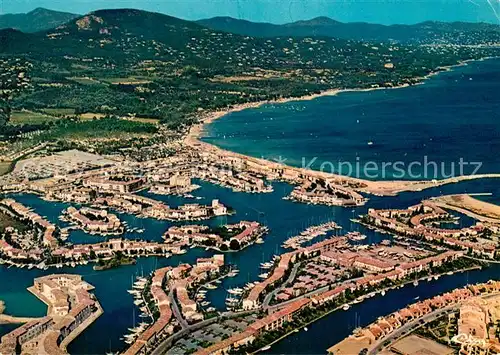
459	114
423	131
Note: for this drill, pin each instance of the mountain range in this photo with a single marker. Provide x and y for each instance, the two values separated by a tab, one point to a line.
42	19
130	34
324	26
37	20
123	61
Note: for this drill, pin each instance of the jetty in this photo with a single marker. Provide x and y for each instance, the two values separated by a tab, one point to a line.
309	234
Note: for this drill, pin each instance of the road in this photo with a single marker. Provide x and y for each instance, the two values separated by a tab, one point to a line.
176	311
417	323
405	329
271	294
482	260
308	294
168	342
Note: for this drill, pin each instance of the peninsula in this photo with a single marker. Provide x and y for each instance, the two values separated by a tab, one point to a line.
456	321
71	309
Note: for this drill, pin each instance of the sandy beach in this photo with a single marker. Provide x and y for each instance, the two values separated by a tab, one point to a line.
380	188
470	206
196	130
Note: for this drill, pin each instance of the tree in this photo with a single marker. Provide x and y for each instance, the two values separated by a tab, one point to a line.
5	111
234	245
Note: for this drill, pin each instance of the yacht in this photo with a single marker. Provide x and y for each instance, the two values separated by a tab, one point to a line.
346	307
235	291
266	265
232	301
356	236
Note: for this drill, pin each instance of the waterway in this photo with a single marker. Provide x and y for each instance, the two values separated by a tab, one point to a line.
286	218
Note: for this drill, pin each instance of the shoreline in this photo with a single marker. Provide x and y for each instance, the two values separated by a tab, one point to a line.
373	293
193	138
196	130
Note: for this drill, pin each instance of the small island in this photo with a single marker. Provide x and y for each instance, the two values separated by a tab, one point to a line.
117	260
94	221
225	238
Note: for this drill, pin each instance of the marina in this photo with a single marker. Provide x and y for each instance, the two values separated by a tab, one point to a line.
309	234
282	217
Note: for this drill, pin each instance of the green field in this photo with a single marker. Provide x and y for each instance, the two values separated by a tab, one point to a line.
60	111
104	128
29	117
127	81
84	80
149	120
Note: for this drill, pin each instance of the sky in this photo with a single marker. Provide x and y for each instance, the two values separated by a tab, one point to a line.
283	11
